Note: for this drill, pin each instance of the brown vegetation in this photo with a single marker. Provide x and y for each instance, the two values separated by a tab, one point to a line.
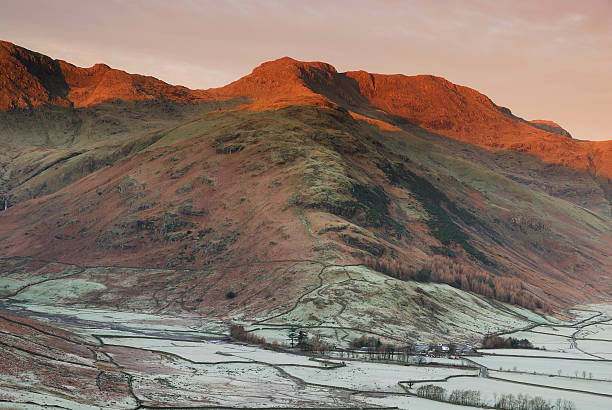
497	342
239	333
462	275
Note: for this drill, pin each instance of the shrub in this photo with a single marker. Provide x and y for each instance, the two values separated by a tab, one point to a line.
238	332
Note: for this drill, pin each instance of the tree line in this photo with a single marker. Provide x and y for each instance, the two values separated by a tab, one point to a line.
462	275
504	401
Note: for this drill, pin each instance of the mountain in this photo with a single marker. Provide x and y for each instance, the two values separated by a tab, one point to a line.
30	79
429	102
299	194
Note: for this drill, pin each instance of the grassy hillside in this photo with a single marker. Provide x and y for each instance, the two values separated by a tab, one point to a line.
227	188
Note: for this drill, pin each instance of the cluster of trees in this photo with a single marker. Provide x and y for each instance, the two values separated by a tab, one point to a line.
375	347
433	392
461	397
365	341
523	401
313	344
299	338
462	275
465	397
505	401
495	342
239	333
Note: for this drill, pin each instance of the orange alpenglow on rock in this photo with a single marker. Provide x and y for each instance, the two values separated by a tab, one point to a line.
29	79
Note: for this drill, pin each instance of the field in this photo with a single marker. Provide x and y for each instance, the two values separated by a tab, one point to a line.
491	388
144	355
126	360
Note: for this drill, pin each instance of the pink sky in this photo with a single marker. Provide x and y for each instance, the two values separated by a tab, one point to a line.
545	59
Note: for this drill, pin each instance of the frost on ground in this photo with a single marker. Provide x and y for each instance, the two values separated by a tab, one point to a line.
599	331
352	300
556	330
597	348
117	359
572	383
237	385
490	389
210	352
544	341
411	402
373	376
565	354
599	369
39	400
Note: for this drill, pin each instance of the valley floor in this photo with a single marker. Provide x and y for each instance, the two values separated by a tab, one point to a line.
79	358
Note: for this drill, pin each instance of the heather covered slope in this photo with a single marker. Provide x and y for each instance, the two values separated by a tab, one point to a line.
50	147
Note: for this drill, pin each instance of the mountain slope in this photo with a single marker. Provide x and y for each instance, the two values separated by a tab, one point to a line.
429	102
203	193
31	79
294	170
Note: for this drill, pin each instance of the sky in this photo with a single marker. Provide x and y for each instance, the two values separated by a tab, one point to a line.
545	59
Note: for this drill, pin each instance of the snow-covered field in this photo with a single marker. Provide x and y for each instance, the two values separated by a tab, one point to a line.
490	389
210	352
598	331
571	383
597	348
566	353
135	322
373	376
544	341
564	367
183	361
557	330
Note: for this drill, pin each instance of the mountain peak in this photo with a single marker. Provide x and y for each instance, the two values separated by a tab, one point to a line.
288	63
100	67
281	82
29	79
